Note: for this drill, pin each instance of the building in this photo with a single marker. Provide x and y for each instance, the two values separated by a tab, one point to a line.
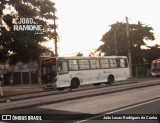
22	73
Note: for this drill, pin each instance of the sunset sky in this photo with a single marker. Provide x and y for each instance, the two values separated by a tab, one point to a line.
81	23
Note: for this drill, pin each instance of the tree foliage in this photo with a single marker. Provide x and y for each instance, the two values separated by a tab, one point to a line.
79	54
25	46
116	38
152	53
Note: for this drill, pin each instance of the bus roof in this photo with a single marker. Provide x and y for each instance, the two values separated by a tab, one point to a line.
91	57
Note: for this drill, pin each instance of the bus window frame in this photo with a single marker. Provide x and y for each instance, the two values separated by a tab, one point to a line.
77	65
108	67
91	65
58	69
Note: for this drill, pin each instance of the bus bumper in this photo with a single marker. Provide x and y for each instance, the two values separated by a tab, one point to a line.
50	86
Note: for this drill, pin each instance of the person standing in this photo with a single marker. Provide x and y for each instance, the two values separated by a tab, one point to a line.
1	90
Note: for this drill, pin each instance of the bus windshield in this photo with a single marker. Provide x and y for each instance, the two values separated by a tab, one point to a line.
48	69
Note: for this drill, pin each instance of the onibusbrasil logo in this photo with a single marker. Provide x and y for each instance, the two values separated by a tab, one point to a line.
28	24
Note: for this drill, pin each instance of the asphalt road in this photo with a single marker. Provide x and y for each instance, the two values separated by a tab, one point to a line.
145	112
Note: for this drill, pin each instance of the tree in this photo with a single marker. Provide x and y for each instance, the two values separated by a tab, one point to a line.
79	54
152	53
116	40
26	45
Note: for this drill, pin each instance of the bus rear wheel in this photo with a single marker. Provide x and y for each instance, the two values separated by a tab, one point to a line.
110	79
96	84
74	83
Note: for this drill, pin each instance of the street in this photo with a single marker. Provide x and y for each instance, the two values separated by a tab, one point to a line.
148	112
79	110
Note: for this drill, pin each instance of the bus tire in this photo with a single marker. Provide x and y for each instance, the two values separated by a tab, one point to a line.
96	84
110	79
74	83
61	89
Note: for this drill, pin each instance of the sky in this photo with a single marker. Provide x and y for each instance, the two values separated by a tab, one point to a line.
81	23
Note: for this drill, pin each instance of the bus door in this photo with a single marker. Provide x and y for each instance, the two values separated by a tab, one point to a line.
63	73
122	68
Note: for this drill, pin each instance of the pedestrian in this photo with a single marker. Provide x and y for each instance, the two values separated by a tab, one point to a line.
1	90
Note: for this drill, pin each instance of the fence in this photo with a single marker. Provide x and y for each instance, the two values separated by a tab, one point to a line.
21	74
20	78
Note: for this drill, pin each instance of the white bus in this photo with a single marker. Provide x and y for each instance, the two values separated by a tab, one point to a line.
61	72
155	68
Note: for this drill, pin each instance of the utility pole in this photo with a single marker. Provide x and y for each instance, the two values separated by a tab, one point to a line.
55	35
129	48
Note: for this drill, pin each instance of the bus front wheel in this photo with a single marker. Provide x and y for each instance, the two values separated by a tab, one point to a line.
61	89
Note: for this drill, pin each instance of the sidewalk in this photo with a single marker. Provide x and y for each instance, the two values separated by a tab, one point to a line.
21	89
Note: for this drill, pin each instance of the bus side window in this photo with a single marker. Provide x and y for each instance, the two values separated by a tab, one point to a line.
126	62
113	63
62	67
118	63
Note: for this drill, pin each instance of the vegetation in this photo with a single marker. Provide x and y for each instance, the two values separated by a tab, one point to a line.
79	54
152	53
115	42
26	45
